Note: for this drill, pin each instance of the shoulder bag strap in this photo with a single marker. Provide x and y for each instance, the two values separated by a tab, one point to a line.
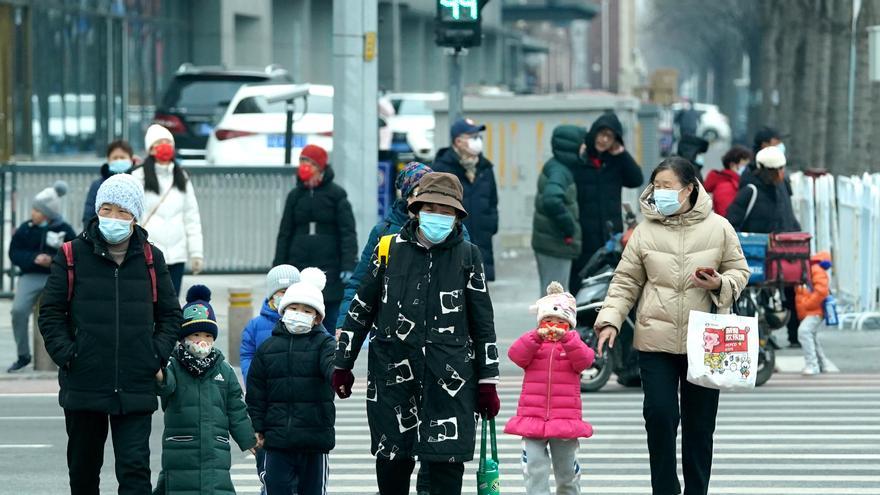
751	203
67	249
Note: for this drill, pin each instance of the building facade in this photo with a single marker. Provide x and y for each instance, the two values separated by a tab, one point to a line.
76	74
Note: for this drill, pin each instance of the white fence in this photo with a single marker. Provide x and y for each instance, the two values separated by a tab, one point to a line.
843	214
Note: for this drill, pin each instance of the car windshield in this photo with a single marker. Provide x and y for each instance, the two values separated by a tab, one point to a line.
258	104
205	94
411	107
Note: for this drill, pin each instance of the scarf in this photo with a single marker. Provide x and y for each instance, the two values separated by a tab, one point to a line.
193	365
468	163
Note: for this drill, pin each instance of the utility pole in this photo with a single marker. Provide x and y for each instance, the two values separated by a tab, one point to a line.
355	108
455	84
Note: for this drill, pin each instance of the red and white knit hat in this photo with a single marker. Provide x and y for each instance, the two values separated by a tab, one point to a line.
557	303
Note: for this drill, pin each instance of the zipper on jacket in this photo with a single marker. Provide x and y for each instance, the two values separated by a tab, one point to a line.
549	382
116	354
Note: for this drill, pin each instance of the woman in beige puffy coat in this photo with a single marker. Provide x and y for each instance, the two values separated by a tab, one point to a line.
680	235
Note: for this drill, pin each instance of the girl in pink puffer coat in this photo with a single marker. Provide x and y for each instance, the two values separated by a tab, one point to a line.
549	416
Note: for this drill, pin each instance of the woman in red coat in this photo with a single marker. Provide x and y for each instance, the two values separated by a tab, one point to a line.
724	184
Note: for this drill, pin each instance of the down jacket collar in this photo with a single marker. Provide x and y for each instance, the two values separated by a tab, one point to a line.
697	214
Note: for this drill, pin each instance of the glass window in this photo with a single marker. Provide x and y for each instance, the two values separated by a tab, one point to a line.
258	104
411	107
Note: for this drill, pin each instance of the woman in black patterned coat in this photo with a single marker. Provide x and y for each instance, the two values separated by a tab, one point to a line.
433	360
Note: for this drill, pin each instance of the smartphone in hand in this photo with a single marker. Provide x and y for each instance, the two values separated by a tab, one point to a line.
705	273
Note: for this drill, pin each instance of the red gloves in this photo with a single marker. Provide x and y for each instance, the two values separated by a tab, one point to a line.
342	382
569	241
488	403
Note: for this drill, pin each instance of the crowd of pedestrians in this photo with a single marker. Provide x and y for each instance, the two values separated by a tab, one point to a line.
418	295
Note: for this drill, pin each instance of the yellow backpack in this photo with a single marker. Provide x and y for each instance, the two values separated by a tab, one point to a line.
385	248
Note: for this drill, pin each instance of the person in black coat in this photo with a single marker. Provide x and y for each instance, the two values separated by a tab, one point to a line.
318	228
433	357
289	397
31	249
465	160
110	333
771	211
120	159
607	169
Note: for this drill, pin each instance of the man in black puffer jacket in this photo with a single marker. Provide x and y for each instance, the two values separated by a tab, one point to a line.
110	334
607	169
288	391
465	160
318	228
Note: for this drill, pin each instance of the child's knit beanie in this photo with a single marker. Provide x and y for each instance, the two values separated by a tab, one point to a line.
557	303
198	315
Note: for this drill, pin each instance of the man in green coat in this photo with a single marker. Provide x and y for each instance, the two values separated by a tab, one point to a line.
204	407
556	231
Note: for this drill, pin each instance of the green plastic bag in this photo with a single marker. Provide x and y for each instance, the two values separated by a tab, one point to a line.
488	479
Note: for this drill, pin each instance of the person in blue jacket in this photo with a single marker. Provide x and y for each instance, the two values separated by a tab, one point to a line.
120	160
32	249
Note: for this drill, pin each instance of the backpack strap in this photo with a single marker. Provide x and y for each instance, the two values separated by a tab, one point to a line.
148	255
751	203
67	249
385	248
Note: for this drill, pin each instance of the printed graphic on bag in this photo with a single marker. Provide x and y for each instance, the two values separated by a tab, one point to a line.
727	350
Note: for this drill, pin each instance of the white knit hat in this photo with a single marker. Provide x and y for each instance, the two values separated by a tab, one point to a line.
307	291
154	133
770	157
557	303
280	277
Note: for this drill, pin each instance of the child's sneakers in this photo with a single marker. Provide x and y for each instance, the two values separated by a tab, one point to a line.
810	372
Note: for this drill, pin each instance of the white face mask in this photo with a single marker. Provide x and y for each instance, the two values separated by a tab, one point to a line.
475	145
198	349
298	322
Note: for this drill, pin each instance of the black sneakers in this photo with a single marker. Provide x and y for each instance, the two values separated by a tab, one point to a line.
18	365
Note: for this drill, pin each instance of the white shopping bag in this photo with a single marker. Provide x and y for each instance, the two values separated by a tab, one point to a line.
722	350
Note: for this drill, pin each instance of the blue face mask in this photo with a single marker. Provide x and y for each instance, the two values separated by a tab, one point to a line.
781	147
119	166
667	201
43	224
113	230
436	227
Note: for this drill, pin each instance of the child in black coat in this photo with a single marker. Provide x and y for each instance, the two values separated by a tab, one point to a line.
288	392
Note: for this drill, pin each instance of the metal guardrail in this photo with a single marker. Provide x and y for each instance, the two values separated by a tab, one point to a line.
240	209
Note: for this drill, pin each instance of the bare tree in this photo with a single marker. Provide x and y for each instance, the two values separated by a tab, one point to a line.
818	61
837	150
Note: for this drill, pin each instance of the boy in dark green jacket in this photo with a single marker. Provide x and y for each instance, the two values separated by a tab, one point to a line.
556	230
197	384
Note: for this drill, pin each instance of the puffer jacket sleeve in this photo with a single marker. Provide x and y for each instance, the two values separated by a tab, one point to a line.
809	301
553	200
523	351
328	353
257	398
347	235
580	356
630	172
493	203
192	222
481	319
166	311
358	274
734	270
248	347
240	426
166	388
626	286
53	321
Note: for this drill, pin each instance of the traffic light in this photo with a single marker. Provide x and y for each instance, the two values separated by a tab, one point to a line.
459	23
